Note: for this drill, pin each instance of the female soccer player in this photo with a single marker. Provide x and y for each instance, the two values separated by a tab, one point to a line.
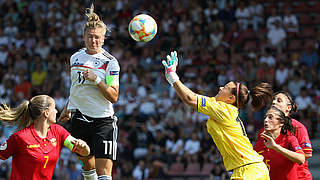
36	147
283	101
224	124
281	151
94	88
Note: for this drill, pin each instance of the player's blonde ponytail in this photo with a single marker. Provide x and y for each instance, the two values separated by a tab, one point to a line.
25	113
94	21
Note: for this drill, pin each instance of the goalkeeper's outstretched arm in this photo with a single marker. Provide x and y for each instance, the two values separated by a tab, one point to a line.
185	94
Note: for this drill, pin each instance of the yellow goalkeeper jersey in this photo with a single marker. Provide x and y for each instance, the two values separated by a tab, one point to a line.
228	133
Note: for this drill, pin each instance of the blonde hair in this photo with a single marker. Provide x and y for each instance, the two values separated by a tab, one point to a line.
25	113
94	21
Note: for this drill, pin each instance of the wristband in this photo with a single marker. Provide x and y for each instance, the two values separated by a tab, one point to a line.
97	81
74	149
172	78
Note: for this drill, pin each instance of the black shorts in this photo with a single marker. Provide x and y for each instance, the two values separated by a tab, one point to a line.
99	133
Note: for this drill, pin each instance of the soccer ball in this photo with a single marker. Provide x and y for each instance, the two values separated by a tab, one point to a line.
142	28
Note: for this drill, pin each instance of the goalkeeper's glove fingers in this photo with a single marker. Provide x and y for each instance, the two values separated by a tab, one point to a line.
170	73
172	59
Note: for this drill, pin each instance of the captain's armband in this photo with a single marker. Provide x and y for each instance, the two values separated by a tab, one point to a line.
67	143
112	79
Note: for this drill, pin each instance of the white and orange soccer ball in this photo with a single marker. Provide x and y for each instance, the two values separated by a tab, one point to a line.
142	28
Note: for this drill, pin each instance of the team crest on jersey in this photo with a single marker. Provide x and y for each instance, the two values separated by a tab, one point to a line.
53	141
3	146
306	145
97	63
297	148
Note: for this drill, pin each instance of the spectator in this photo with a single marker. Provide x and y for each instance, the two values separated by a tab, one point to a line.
267	57
282	75
3	54
303	100
243	15
174	146
141	172
37	77
141	140
290	23
73	172
227	15
256	14
192	145
4	39
59	99
43	49
310	56
277	36
273	18
295	84
11	29
23	85
61	171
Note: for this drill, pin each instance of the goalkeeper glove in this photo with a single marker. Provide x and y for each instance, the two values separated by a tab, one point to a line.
171	67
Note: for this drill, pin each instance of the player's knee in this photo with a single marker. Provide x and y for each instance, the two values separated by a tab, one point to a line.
104	171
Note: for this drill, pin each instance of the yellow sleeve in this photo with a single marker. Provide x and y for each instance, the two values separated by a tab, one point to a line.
217	110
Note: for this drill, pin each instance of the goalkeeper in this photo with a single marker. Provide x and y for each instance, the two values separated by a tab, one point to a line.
224	124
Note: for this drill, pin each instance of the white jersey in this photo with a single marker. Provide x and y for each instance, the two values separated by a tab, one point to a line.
84	95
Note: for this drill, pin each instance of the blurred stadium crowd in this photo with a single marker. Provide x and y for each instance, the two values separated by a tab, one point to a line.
274	41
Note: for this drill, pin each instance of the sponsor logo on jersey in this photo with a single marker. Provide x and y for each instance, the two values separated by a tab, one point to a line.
3	146
33	146
53	141
114	72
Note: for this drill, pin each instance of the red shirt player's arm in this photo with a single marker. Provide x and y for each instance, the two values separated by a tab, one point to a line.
66	139
63	133
303	138
9	147
294	153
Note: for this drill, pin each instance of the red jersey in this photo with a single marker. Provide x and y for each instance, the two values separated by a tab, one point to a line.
280	167
303	138
34	157
302	135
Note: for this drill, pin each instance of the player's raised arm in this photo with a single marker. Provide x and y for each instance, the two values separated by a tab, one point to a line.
65	114
185	94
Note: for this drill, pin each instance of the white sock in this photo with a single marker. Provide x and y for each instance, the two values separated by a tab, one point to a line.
104	177
90	175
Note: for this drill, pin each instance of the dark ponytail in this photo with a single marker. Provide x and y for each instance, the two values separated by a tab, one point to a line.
287	122
261	95
293	105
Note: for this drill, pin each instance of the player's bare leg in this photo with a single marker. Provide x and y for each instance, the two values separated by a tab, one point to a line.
89	170
104	168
